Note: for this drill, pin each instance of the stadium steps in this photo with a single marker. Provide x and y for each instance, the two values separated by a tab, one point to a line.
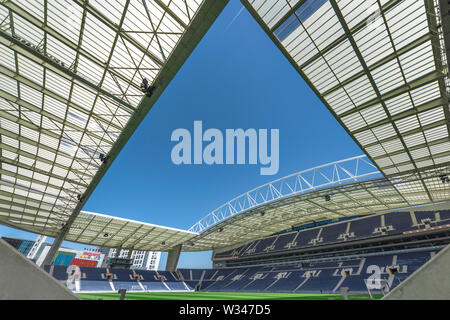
140	285
180	275
300	285
186	286
176	277
233	281
201	278
138	281
339	283
224	280
362	262
274	282
245	286
270	285
253	280
212	277
111	284
168	288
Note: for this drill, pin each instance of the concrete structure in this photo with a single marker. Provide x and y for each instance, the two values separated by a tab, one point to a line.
172	258
430	282
21	279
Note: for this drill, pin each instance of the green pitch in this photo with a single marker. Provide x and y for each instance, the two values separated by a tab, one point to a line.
219	296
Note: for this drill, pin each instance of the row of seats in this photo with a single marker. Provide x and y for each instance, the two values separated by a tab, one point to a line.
367	227
100	279
322	277
305	277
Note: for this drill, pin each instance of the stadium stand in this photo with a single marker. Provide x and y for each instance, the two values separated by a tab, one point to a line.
308	277
319	259
124	279
94	279
393	223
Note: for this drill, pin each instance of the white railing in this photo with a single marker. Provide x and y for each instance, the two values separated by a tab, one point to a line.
336	173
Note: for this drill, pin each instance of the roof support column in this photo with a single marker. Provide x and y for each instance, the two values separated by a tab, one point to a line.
445	15
56	245
172	258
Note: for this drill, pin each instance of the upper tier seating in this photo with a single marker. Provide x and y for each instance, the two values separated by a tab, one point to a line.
400	221
365	227
391	223
332	233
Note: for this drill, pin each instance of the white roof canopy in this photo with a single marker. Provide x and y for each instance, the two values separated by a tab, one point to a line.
380	68
107	231
70	98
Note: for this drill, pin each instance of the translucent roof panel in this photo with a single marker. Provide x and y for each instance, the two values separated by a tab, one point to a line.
113	232
70	96
380	68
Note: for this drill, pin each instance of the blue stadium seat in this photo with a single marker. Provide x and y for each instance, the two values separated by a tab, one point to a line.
178	286
154	286
401	221
365	227
283	240
425	217
331	233
94	285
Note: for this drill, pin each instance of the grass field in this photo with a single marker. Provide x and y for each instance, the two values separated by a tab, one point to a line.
219	296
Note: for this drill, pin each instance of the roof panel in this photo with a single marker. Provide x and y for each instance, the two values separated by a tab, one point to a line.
381	72
71	73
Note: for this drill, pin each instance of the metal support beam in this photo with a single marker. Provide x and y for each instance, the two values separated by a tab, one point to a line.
56	245
172	258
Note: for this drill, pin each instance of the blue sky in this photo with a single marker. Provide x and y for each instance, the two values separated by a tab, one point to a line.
235	78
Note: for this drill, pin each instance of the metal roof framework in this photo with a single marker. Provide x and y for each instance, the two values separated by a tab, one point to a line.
114	232
70	97
379	66
294	208
321	177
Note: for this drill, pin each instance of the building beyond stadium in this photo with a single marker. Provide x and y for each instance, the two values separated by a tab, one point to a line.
70	99
94	258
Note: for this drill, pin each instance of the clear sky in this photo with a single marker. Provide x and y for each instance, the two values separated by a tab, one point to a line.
235	78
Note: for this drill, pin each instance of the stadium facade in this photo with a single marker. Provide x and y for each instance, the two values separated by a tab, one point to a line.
73	97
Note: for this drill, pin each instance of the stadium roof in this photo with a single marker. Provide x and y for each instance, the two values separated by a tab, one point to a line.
114	232
107	231
380	68
70	96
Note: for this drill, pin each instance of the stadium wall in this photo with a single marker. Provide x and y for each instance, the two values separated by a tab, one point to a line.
21	279
429	282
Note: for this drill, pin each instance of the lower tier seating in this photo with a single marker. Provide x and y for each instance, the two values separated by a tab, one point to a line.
312	277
